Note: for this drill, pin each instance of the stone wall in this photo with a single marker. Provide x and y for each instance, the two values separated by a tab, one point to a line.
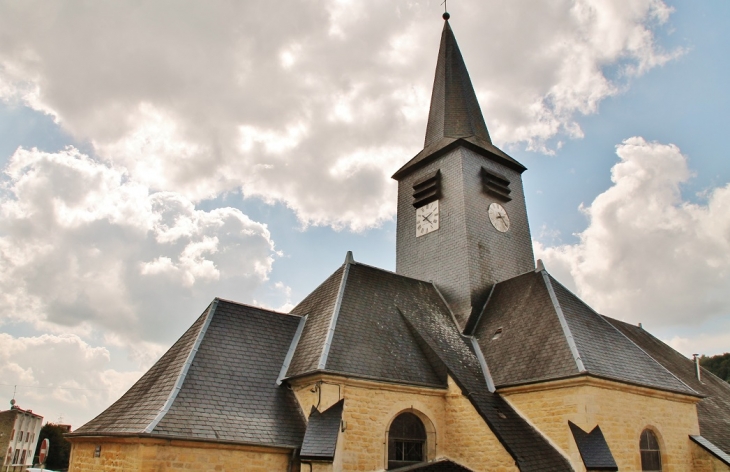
454	428
154	455
622	412
469	440
703	461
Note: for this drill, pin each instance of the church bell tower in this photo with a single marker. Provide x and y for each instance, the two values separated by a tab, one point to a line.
462	220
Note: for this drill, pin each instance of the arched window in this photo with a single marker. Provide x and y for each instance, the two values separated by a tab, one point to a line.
651	456
406	441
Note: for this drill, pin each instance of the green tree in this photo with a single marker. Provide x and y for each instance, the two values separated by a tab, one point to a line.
718	365
59	450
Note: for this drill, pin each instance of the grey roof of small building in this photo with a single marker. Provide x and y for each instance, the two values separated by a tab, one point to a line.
367	338
443	465
320	439
713	411
216	383
455	117
593	448
547	333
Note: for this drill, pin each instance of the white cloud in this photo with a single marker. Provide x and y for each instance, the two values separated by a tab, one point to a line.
198	99
706	343
648	255
60	376
83	247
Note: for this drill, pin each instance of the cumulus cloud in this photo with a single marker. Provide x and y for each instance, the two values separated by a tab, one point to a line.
39	366
83	247
297	101
648	254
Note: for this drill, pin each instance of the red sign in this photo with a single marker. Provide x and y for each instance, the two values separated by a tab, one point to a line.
45	446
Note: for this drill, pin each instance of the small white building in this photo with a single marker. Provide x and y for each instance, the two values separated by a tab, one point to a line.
19	431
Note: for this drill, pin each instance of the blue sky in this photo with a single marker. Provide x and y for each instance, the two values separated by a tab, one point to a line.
253	189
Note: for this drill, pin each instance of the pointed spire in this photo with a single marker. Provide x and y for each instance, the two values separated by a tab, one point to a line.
455	118
455	111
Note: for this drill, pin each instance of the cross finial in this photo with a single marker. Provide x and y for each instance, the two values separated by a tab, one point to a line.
446	15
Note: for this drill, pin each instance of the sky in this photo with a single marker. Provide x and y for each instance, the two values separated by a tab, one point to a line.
155	155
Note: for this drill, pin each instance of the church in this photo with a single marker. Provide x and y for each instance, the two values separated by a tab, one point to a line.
469	357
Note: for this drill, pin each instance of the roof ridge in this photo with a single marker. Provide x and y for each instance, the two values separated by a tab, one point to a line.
256	307
391	272
184	370
649	355
292	348
563	322
349	261
602	318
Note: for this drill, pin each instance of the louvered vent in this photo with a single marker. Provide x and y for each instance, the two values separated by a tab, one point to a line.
496	185
427	189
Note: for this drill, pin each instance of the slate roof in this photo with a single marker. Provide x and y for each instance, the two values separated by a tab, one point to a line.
455	117
548	333
593	448
217	383
713	411
368	337
434	325
320	439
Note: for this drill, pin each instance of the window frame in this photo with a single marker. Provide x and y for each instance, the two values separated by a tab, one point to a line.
653	453
428	444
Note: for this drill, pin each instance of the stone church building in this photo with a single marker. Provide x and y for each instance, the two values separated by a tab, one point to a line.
468	357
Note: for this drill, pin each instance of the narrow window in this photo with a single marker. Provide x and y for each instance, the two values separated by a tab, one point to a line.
406	441
651	456
22	457
10	455
12	434
15	457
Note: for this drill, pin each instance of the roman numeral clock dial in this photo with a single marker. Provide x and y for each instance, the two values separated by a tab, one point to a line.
427	218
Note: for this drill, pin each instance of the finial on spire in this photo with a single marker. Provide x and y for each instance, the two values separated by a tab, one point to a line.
446	15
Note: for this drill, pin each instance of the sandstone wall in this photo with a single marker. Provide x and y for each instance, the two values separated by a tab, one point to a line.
152	455
622	412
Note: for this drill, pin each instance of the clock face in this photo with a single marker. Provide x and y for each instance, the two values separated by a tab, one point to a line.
427	218
498	217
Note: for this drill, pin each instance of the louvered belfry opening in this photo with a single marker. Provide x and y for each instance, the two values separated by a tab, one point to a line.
406	441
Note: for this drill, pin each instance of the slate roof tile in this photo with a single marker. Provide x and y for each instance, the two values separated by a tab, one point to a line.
531	346
606	352
455	117
229	392
430	318
534	346
319	307
371	339
139	406
593	448
713	411
320	439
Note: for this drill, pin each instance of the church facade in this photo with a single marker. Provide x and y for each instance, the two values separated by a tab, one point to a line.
469	357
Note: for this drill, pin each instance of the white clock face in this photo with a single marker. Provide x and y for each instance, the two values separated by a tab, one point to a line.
427	218
498	217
